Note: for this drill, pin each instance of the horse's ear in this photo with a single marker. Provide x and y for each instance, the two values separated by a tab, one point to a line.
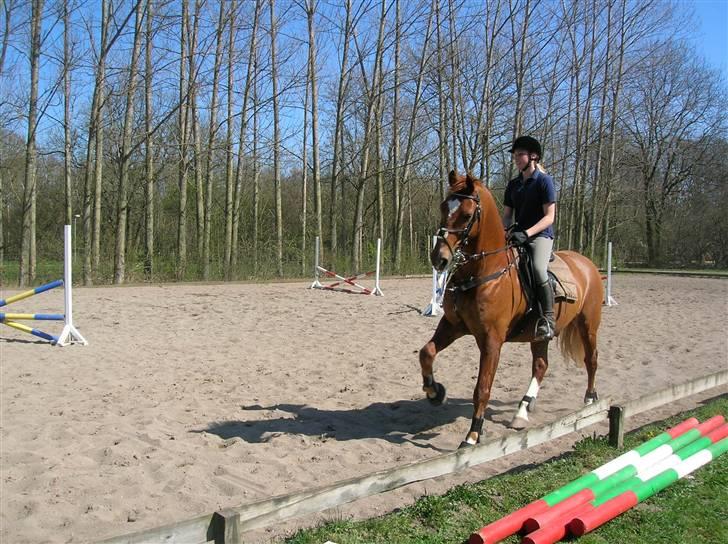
453	178
469	182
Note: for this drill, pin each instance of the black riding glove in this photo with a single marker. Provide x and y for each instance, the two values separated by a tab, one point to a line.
518	237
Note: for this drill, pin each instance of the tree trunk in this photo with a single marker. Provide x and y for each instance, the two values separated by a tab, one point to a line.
311	11
249	83
126	148
212	133
183	131
148	147
338	131
358	230
26	272
396	185
412	137
230	180
67	158
304	174
276	143
444	160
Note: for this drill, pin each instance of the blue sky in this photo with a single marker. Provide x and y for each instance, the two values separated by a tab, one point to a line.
712	39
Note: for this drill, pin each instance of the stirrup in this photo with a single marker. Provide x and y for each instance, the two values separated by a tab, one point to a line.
544	330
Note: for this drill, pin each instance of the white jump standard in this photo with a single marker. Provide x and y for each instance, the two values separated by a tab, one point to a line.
336	286
439	282
70	334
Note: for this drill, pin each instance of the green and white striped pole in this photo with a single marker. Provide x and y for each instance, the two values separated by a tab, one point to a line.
594	511
687	460
637	465
513	522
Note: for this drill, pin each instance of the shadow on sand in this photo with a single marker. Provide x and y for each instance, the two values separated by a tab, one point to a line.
407	421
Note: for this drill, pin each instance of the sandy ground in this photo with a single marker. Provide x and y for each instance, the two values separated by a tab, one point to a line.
192	398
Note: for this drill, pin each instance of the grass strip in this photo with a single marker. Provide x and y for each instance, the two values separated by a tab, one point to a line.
692	510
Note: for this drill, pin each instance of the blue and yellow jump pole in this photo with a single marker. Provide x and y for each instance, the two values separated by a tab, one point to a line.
10	319
70	334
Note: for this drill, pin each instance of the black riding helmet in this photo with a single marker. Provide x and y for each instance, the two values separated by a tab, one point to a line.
527	143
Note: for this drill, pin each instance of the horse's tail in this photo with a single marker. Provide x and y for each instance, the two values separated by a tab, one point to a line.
571	344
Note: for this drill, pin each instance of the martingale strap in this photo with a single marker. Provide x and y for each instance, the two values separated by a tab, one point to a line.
475	282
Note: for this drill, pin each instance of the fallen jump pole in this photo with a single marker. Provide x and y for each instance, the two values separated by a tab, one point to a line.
351	280
683	463
513	522
550	526
70	334
627	494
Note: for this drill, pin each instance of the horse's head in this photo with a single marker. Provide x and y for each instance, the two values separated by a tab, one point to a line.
460	213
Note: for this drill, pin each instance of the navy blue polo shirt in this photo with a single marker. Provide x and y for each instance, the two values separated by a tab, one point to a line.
527	199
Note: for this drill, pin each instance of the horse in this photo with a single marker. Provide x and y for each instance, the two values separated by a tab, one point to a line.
485	299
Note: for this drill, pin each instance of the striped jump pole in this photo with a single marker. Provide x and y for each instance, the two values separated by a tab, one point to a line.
676	467
351	280
70	334
551	526
513	522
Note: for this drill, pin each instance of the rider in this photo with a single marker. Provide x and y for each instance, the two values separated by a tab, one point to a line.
533	197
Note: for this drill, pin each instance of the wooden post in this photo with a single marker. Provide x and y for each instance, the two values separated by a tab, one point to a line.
616	426
224	526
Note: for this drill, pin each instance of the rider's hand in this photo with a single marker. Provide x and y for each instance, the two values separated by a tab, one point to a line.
518	237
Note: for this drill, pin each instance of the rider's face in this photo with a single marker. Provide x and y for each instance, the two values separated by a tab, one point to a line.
520	158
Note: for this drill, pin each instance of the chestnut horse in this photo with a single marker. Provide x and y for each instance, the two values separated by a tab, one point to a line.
484	298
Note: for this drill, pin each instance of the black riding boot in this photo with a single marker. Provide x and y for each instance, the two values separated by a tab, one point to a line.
546	326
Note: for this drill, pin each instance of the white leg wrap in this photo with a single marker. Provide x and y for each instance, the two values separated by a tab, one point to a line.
532	392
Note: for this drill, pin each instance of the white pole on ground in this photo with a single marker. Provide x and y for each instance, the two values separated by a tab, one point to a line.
70	334
316	283
377	290
439	281
610	299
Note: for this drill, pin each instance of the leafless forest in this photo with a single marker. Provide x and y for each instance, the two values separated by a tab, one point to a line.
214	139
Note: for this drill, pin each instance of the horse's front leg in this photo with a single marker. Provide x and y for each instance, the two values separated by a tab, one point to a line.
540	353
490	349
445	334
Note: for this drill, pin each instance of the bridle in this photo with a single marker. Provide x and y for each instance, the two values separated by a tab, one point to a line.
464	232
460	257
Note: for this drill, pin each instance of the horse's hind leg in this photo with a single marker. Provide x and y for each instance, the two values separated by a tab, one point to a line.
445	334
540	353
588	332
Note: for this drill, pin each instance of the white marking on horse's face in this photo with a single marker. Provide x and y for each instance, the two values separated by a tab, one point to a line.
452	205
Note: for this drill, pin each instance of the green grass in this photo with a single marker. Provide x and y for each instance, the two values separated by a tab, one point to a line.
694	509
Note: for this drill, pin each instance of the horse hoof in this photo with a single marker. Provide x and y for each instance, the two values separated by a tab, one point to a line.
440	395
591	398
465	444
518	423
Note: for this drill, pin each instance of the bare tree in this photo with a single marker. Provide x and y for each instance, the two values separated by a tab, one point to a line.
411	139
338	128
182	125
148	145
230	181
311	12
26	272
212	133
276	140
371	88
67	68
247	87
125	154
